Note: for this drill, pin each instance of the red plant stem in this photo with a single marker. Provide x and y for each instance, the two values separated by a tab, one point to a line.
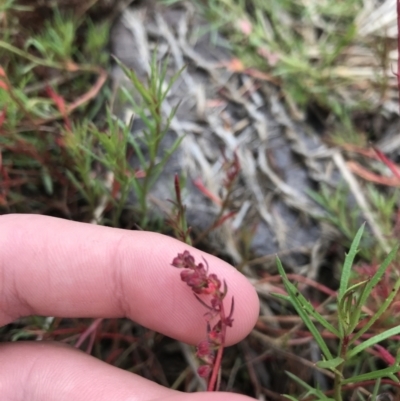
218	359
177	189
92	328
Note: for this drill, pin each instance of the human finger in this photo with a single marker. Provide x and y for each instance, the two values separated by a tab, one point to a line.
55	267
51	372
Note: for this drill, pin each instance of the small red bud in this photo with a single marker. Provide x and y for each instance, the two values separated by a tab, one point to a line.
205	353
204	371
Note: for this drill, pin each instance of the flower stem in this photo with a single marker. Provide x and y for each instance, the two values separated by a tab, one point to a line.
217	364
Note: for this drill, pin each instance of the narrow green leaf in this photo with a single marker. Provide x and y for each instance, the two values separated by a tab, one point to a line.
349	310
280	296
171	82
314	331
308	322
376	389
280	268
292	291
348	263
148	121
376	374
317	316
92	154
161	81
331	364
311	390
77	185
374	340
138	152
131	75
133	182
301	382
289	397
352	289
47	181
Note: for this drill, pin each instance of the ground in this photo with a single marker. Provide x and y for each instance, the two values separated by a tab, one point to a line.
281	121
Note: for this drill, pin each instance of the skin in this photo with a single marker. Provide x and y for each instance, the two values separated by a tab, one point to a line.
55	267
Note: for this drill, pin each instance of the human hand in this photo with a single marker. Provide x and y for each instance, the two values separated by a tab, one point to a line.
55	267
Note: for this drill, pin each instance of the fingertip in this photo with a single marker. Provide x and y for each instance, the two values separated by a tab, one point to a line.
186	310
56	267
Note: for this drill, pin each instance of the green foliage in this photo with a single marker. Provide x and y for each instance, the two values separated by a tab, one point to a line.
384	205
349	306
149	109
335	201
109	148
57	41
96	39
86	161
282	38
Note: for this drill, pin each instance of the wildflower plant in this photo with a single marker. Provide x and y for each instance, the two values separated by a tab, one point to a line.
148	148
350	327
203	283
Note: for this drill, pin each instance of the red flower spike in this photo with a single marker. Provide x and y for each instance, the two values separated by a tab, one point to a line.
210	350
205	353
184	260
216	305
216	337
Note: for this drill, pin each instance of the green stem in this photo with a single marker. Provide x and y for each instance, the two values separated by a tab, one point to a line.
337	387
149	171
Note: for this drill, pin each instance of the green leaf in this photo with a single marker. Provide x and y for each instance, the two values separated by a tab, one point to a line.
306	305
137	188
167	155
280	296
331	364
376	389
348	263
373	340
131	75
293	293
353	288
77	185
138	152
311	390
171	82
47	181
289	397
350	311
376	374
301	382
